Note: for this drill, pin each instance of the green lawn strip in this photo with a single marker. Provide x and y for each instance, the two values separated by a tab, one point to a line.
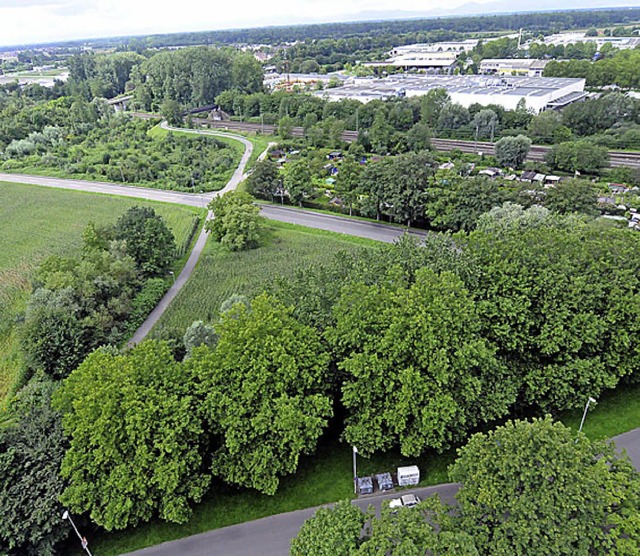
616	412
221	273
36	222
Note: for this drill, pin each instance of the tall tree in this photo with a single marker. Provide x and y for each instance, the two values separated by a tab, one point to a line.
149	240
265	388
532	488
512	151
297	181
136	438
32	446
418	371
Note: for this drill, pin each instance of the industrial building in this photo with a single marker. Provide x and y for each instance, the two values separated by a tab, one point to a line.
515	66
539	93
430	62
622	43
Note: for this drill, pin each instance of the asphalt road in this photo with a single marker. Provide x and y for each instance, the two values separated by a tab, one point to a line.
146	327
270	536
335	223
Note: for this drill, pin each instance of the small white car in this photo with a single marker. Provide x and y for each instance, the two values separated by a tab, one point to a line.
408	500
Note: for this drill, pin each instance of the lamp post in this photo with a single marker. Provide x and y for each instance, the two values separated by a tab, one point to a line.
355	473
173	276
584	415
83	541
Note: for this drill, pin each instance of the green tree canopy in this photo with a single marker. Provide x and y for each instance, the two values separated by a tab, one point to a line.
418	372
532	488
149	240
237	222
512	151
297	181
136	438
265	387
32	446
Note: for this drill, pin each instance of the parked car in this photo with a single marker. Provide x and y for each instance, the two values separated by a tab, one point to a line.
385	482
365	485
408	501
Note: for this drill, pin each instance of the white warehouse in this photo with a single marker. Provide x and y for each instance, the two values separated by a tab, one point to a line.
539	93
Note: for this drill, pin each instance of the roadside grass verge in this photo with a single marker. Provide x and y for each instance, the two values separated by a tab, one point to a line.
221	273
36	222
615	412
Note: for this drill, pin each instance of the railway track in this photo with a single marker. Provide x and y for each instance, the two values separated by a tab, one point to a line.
536	153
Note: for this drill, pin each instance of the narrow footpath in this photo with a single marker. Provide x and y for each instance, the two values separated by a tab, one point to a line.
237	177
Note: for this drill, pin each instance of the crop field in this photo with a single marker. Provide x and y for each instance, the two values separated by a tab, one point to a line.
36	222
221	273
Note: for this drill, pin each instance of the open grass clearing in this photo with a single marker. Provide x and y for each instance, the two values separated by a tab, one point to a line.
36	222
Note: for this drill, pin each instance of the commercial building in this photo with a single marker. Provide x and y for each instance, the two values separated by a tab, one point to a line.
623	43
430	62
539	93
516	66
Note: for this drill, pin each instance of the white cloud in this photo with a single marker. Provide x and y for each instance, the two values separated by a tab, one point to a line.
29	21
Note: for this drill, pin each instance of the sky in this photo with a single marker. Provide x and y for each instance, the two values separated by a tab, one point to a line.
38	21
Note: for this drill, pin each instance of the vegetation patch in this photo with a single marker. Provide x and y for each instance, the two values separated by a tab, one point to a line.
37	222
221	273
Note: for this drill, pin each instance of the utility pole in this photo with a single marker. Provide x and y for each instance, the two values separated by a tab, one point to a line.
83	540
355	473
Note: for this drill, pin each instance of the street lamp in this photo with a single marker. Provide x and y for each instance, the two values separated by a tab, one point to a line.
355	474
173	276
83	540
586	408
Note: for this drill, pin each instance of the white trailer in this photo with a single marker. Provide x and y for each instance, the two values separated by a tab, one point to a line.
408	476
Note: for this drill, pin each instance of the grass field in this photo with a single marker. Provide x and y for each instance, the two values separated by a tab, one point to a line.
221	273
36	222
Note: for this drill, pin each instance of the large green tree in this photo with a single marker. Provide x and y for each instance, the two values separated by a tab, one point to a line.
297	181
32	446
136	438
561	301
418	373
236	220
455	203
512	151
149	240
265	385
345	529
533	488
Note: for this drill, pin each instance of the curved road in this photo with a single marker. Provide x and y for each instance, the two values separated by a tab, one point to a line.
269	536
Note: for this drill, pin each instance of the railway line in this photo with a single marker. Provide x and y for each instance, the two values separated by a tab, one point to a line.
536	153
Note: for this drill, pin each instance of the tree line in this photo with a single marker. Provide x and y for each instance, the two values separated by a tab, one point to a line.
414	345
619	68
410	189
78	304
